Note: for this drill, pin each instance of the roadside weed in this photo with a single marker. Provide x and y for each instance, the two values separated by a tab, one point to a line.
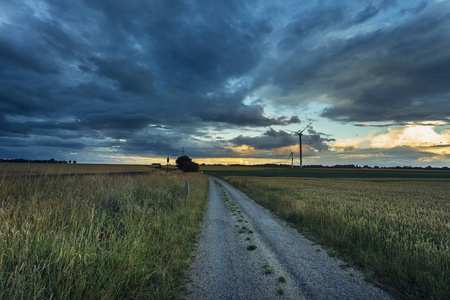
251	247
266	269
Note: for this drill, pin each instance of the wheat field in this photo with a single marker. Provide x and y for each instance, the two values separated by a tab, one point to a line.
396	230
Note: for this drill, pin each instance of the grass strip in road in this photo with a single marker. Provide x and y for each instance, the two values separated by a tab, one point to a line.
251	247
280	290
266	269
396	230
98	237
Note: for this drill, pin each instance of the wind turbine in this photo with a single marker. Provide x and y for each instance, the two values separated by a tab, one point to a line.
300	133
182	151
291	156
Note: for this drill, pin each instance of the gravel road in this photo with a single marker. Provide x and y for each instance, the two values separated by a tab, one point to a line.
225	269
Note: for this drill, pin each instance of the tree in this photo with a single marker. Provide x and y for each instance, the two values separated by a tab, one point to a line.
182	160
191	167
186	164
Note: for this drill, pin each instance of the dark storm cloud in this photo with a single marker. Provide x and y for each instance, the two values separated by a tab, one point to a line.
10	129
192	47
414	10
308	23
268	140
277	139
102	69
318	20
245	115
317	140
377	125
116	121
133	78
51	142
58	143
116	74
158	143
17	98
372	10
396	73
12	56
368	13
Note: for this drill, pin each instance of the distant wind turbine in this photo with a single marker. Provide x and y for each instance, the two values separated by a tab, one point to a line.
182	151
300	133
291	157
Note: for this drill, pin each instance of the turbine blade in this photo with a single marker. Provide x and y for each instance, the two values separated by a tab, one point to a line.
294	132
305	128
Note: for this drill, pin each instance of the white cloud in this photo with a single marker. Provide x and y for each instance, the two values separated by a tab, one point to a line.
415	136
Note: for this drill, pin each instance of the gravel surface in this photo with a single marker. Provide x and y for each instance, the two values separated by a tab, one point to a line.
225	269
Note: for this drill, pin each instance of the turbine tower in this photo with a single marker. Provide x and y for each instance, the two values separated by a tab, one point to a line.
182	151
291	157
300	133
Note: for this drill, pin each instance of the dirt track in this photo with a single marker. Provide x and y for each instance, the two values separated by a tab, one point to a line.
225	269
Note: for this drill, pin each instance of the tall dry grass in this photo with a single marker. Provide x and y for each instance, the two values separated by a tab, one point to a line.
398	231
97	237
55	169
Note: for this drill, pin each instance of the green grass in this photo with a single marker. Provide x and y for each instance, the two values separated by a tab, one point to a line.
331	252
244	229
396	230
280	290
266	269
98	237
251	247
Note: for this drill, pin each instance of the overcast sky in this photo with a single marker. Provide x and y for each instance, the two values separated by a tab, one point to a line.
117	81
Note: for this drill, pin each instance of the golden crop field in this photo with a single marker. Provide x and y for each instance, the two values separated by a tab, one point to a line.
397	230
46	169
99	236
